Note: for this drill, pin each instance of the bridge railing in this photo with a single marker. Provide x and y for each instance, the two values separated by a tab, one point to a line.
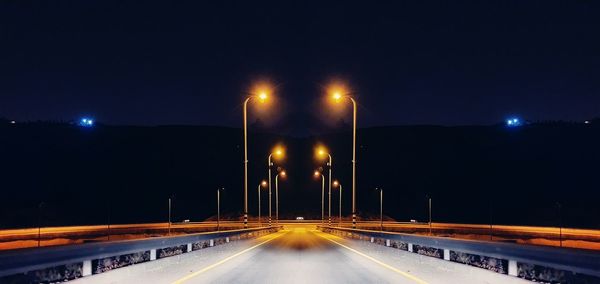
59	263
526	261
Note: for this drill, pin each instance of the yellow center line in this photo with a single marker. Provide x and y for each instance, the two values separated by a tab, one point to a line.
192	275
407	275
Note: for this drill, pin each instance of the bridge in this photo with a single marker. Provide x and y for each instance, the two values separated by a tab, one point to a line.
294	252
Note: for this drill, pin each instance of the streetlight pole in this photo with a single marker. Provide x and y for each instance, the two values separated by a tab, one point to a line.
219	208
381	208
246	163
262	96
353	163
340	205
259	221
169	230
330	166
282	173
337	96
270	165
322	199
429	215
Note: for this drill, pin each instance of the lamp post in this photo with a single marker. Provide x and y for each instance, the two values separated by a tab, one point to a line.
283	174
317	174
322	152
262	97
337	183
337	96
429	202
169	229
219	208
263	184
278	152
380	207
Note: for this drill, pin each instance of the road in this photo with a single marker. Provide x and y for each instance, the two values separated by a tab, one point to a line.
299	254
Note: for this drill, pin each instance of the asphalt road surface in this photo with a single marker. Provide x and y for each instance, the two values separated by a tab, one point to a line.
299	255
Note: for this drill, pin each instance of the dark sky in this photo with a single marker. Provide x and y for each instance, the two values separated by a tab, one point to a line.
189	62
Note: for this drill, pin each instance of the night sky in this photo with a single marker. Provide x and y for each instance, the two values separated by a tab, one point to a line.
189	62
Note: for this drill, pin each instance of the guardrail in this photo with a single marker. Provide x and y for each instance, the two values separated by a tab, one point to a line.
74	261
526	261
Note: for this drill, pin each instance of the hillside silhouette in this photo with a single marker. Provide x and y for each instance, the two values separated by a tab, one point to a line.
124	174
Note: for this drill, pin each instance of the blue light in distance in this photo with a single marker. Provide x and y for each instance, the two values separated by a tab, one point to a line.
513	122
86	122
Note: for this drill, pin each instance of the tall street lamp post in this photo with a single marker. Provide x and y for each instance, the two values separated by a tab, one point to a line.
262	96
337	95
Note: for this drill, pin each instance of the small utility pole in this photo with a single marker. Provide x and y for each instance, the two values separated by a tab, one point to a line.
218	208
429	215
169	230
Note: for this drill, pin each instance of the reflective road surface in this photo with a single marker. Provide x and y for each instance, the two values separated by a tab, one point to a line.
300	255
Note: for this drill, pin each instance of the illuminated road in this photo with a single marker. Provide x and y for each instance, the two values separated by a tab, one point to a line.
300	255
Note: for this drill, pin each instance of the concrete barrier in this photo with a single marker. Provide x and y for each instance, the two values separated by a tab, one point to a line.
81	260
526	261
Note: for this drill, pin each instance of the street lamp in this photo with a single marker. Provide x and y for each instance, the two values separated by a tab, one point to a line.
219	207
278	152
338	184
321	152
338	93
169	229
264	185
262	94
429	206
317	174
380	207
283	174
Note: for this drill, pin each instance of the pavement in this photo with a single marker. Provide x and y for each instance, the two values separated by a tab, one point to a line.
299	254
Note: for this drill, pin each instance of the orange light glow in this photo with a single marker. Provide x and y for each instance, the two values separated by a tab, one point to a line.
336	183
337	91
321	152
263	183
282	173
278	151
262	90
317	173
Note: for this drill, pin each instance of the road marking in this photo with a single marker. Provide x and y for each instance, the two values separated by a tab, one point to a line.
190	276
409	276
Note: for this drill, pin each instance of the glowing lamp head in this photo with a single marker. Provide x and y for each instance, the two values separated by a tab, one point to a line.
336	96
282	173
278	152
263	183
263	96
317	174
336	183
